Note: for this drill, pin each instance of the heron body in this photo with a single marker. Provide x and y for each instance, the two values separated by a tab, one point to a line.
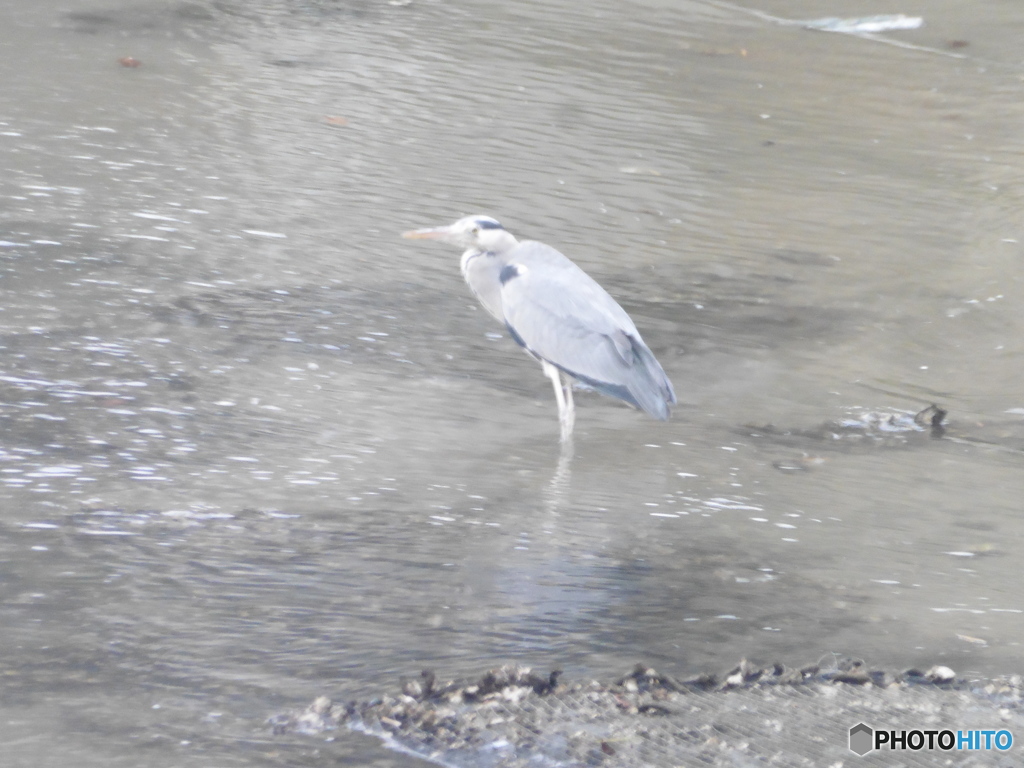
560	315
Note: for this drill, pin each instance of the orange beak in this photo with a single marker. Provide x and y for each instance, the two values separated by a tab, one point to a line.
431	233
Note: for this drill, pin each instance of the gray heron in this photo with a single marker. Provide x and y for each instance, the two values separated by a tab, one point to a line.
559	315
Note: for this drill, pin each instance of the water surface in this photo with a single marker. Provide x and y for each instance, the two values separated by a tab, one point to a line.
256	447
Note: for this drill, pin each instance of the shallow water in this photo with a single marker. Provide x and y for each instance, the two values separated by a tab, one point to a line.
256	447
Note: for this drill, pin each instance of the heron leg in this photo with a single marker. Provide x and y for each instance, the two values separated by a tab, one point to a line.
570	406
566	409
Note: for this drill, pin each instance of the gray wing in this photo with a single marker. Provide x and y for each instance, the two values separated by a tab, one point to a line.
560	314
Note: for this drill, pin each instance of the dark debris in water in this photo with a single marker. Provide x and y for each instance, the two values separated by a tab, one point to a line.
751	715
932	417
860	428
869	430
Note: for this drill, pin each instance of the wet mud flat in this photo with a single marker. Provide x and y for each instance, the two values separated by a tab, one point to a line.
751	715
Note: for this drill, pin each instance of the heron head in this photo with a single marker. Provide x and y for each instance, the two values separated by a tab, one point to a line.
479	232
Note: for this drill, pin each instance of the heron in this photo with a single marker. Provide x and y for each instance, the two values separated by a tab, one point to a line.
560	315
